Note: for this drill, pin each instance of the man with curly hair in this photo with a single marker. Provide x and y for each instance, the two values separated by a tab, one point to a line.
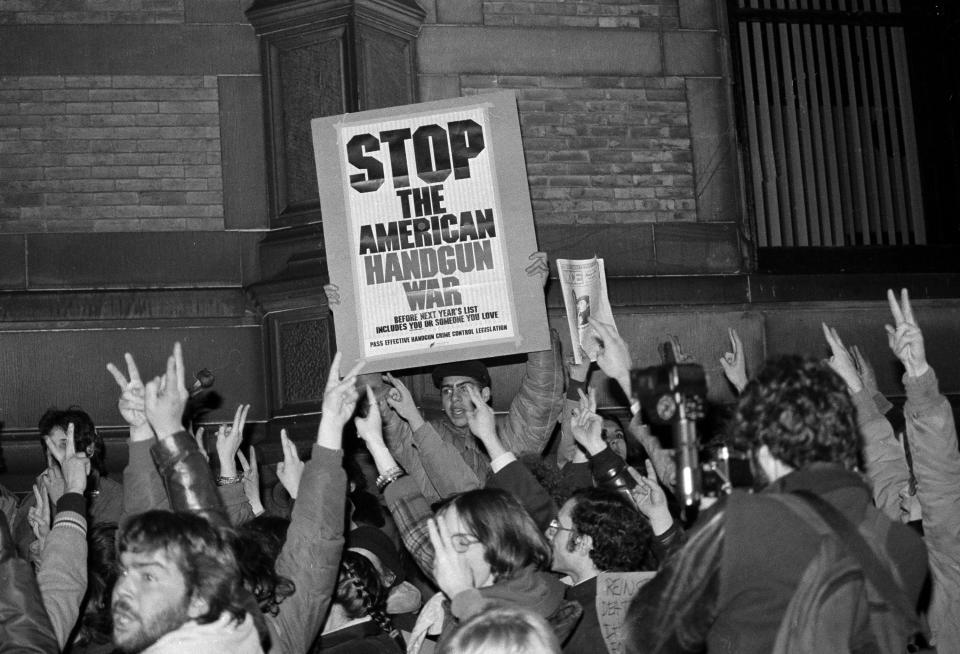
597	530
729	587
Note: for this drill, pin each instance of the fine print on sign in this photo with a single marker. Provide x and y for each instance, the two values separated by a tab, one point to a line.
428	229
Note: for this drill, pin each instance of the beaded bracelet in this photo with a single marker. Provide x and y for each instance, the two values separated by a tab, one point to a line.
226	481
389	476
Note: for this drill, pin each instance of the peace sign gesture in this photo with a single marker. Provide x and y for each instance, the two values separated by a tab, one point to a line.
131	402
905	337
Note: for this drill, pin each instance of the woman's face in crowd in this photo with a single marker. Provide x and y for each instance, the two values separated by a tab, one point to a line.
470	550
613	435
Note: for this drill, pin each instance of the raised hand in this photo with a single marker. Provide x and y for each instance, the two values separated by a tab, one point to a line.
539	267
38	515
132	399
400	399
905	337
251	480
370	427
480	416
339	402
451	571
332	291
613	357
586	426
734	363
678	354
166	397
228	441
841	361
650	499
290	470
52	481
75	466
865	370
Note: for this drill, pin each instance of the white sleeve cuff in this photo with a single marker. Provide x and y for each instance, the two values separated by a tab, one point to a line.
502	461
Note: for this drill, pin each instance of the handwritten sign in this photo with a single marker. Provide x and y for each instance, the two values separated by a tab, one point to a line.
615	591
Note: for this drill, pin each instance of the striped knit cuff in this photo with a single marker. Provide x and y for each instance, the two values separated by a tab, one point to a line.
72	502
67	514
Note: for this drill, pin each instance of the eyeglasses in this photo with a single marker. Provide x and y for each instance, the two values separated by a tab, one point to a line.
462	542
554	527
459	389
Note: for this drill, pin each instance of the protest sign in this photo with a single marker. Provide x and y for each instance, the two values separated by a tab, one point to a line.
615	591
428	229
584	286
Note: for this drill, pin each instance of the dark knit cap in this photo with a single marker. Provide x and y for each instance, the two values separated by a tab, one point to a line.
473	369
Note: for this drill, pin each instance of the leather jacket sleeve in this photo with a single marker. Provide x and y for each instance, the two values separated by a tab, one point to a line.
187	477
24	625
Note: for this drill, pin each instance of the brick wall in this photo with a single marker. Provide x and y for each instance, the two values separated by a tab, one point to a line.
109	153
599	13
44	12
603	149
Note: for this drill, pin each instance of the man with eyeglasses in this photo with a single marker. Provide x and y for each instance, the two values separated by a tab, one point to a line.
597	530
442	454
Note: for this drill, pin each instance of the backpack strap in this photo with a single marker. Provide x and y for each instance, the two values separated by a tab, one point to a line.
876	572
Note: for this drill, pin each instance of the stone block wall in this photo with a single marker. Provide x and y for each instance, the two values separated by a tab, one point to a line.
625	119
110	153
603	149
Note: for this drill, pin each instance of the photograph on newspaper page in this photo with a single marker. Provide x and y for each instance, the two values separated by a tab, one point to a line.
428	229
584	286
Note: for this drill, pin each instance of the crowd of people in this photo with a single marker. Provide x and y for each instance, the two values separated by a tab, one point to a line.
474	531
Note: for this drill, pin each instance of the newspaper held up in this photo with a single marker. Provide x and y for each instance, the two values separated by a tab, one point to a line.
584	286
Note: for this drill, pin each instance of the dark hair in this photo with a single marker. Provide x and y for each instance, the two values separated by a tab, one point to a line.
96	623
202	554
801	410
509	535
636	454
84	432
622	537
361	592
258	543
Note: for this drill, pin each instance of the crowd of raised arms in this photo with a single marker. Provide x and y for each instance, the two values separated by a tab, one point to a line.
546	527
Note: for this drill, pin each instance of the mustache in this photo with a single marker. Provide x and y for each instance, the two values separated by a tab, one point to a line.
122	606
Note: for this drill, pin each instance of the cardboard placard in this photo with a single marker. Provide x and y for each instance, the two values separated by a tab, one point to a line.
615	591
428	229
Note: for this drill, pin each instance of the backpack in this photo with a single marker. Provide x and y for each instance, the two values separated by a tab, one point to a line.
847	599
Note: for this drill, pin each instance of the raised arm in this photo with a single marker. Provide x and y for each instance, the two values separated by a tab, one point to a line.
444	467
183	468
932	435
62	574
312	550
533	413
406	503
24	625
142	486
